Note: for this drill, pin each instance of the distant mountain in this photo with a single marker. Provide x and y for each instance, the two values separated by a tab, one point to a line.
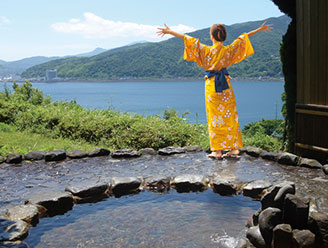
97	51
19	66
165	59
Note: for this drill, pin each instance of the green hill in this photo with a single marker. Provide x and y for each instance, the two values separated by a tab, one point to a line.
165	59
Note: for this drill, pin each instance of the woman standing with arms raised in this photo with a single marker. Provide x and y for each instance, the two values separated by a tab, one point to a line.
221	111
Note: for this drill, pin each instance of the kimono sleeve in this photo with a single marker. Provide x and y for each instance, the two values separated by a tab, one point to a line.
193	50
240	49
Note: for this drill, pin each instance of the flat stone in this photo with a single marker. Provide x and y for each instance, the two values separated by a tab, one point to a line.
272	156
296	211
13	244
54	202
158	183
195	148
254	151
55	155
14	158
254	189
88	189
318	224
35	155
125	185
171	150
303	239
76	154
125	153
268	219
148	151
282	236
253	234
325	169
99	152
187	183
223	187
12	230
267	199
287	158
28	213
309	163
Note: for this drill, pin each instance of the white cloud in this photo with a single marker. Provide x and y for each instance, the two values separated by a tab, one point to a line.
4	21
95	27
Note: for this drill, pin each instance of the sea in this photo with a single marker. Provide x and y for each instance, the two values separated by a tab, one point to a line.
256	100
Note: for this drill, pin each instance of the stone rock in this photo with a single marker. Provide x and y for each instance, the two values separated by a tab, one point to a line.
272	156
253	234
14	158
318	224
55	155
267	199
12	230
254	189
187	183
28	213
282	236
88	189
287	158
54	202
148	151
296	211
158	183
325	169
309	163
268	219
193	148
99	152
125	185
14	244
125	153
2	159
303	239
254	151
171	150
282	192
76	154
35	155
243	243
243	149
223	187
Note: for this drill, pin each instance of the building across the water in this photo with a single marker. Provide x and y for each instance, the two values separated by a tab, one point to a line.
51	75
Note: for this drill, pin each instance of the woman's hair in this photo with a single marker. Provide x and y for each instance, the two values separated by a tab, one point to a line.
218	31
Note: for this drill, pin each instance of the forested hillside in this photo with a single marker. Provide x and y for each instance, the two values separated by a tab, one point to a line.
165	59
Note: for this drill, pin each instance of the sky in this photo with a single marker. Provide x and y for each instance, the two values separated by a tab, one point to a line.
67	27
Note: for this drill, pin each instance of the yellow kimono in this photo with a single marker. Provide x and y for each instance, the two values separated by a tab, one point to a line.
221	110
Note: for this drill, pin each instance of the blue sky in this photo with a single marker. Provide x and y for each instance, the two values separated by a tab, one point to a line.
67	27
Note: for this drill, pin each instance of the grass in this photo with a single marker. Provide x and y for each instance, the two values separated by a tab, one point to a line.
24	142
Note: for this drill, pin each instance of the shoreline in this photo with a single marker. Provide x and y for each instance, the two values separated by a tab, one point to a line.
240	79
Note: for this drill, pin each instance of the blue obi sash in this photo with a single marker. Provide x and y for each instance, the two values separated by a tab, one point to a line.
220	79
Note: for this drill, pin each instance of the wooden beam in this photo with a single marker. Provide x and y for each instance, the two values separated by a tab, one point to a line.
314	148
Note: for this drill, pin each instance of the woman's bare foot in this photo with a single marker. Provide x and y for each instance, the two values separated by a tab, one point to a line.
215	155
232	153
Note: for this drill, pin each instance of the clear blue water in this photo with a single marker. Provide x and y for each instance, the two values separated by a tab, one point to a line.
149	220
255	100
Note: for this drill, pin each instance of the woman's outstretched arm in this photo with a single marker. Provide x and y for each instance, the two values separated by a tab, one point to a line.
264	27
166	30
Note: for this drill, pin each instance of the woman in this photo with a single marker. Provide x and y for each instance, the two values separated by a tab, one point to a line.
222	116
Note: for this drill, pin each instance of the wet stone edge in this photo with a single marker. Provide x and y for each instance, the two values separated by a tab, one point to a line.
51	203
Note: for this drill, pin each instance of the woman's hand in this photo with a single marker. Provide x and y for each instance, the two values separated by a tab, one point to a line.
164	31
266	27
